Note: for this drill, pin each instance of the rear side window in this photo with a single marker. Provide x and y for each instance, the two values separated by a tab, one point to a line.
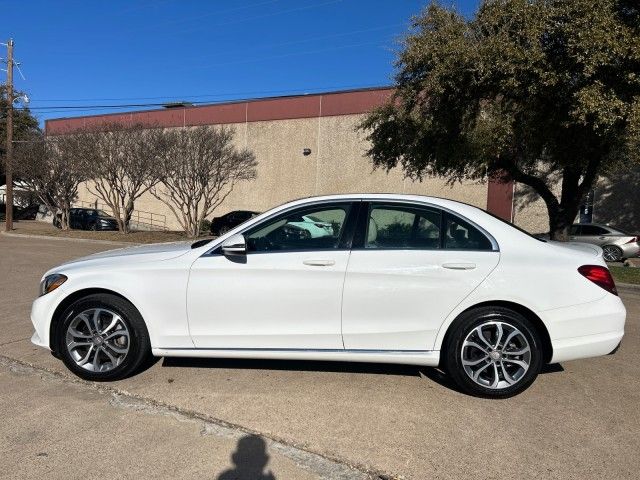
460	235
403	227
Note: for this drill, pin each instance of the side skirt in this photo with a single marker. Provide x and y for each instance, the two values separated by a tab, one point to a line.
428	358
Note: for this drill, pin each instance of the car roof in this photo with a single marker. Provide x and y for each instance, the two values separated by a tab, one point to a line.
440	201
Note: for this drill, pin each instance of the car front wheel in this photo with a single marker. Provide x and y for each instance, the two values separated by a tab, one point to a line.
493	352
102	337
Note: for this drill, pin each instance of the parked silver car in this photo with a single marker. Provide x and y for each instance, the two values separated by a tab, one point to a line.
615	243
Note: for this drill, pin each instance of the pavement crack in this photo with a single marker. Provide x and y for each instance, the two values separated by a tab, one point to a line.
324	465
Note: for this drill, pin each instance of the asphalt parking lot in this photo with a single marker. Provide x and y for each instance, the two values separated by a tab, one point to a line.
315	420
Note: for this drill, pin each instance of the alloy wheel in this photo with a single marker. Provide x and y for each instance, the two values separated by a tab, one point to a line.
97	340
496	355
611	253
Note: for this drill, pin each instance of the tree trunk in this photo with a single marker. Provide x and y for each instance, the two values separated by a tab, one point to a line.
127	213
561	218
64	218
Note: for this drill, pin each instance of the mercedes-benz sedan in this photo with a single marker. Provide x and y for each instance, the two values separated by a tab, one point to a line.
397	279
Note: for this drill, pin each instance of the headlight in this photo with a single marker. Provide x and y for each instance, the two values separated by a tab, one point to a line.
51	282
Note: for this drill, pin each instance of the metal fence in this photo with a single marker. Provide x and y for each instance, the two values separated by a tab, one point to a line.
140	219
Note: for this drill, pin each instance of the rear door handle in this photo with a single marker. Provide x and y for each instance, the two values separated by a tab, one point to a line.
459	266
319	263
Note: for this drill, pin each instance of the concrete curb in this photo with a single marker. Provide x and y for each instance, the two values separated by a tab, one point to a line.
69	239
322	464
628	286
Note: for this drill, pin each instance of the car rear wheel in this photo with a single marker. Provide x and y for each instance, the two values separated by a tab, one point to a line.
493	352
611	253
102	337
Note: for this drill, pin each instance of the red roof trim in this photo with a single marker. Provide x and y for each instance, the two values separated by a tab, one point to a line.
258	110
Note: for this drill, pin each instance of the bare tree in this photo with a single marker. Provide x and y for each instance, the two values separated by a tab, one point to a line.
199	170
49	168
122	162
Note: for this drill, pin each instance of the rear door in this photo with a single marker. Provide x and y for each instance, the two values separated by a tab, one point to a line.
410	265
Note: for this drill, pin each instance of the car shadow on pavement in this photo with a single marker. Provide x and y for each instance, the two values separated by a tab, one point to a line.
249	460
434	374
294	365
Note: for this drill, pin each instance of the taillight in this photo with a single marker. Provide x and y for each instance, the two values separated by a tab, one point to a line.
599	275
633	240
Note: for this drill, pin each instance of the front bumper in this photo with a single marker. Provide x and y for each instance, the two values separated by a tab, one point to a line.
42	311
588	330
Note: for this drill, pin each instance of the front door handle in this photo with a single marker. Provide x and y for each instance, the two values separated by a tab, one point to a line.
459	266
319	263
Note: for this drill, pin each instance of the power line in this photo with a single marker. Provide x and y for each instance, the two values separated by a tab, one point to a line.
56	108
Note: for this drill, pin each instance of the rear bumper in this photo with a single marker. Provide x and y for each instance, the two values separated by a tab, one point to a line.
630	250
589	330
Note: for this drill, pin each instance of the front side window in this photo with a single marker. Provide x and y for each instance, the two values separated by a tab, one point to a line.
318	228
403	227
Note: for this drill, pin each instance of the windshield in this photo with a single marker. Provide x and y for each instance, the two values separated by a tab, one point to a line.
102	213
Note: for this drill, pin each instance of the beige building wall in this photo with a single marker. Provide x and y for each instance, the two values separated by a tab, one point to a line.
337	164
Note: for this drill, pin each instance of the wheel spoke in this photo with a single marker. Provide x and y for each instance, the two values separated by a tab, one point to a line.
96	360
116	349
78	334
471	363
117	333
517	352
521	363
509	337
478	330
114	361
510	380
500	332
96	320
86	321
496	376
73	345
114	321
477	373
475	345
85	359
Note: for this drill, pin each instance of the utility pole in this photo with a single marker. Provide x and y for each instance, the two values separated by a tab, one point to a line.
9	159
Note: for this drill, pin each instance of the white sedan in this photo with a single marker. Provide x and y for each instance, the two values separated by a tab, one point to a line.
400	279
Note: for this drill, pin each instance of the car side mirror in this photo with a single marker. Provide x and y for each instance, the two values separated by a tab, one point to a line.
235	245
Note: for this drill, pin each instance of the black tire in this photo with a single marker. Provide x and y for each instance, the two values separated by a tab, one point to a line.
509	320
139	345
222	230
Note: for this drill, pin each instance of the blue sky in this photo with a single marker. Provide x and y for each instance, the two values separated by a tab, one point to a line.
88	53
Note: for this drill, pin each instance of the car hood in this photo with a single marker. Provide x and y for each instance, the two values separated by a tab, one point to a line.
129	255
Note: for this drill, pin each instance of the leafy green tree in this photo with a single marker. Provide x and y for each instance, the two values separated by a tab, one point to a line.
24	125
544	92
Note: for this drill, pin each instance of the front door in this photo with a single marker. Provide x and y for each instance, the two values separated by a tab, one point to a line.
409	267
285	293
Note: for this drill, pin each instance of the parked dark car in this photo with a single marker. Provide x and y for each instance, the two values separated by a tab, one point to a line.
221	225
88	219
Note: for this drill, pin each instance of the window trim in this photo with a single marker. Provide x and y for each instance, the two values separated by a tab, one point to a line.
361	233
